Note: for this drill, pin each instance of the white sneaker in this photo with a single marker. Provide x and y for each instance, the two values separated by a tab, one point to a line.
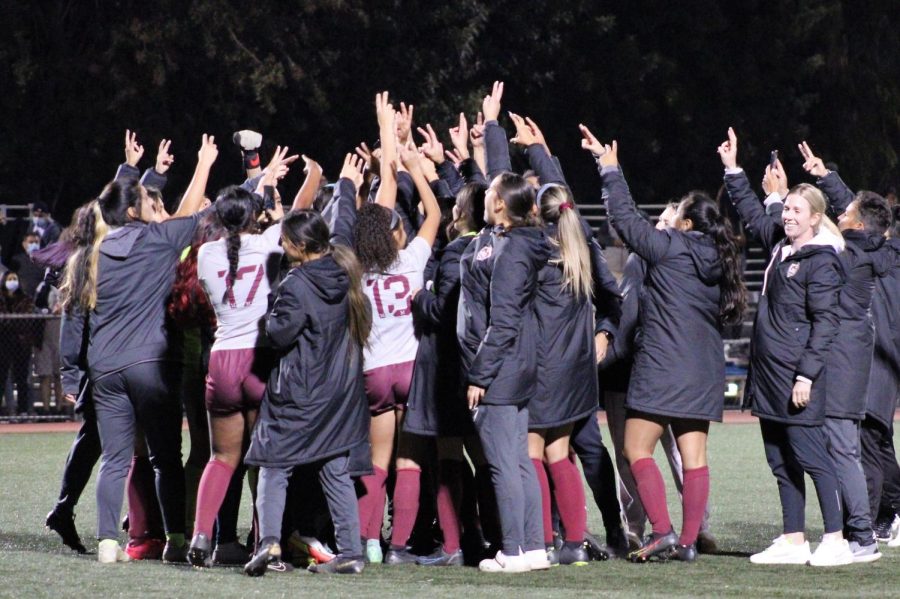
512	564
538	559
894	541
863	554
832	553
782	551
109	552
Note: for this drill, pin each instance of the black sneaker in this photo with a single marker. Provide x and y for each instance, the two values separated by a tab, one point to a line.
64	525
442	558
597	551
269	551
200	554
882	529
230	554
396	557
683	553
175	554
656	546
573	555
340	565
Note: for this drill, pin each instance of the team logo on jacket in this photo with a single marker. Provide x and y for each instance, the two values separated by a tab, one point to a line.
792	269
484	253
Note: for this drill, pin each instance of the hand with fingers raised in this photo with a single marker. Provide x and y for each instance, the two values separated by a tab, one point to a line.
491	105
208	151
163	158
353	169
812	164
432	147
459	137
728	150
476	133
278	166
605	154
775	180
133	150
404	123
524	135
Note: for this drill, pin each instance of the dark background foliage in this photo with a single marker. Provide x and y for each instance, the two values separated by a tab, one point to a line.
664	78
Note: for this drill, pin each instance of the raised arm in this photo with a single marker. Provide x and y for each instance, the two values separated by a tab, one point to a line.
306	195
128	170
387	187
429	228
496	144
476	136
196	191
532	139
340	213
828	181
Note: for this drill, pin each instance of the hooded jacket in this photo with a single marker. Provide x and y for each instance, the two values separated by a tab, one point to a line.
797	315
506	362
679	360
475	267
315	405
884	378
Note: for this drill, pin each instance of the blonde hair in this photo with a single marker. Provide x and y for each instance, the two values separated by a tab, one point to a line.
558	206
817	205
79	285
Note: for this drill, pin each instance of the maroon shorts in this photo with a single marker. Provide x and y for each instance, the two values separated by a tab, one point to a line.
387	388
236	380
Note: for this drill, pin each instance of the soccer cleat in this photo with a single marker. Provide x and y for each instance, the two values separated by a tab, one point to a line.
63	524
634	540
280	566
175	554
706	543
683	553
340	565
109	552
373	551
509	564
199	554
883	528
269	551
537	559
397	557
863	554
248	140
599	552
308	550
442	558
832	553
782	551
230	554
573	555
143	548
656	546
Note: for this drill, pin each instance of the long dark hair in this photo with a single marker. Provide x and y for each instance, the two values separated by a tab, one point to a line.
704	213
375	245
518	195
307	229
470	211
115	200
235	214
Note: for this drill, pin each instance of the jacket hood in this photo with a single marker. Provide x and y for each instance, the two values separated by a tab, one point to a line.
705	255
887	257
826	238
328	279
533	241
119	243
864	241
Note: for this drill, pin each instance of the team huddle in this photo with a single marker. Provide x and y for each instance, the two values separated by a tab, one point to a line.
432	336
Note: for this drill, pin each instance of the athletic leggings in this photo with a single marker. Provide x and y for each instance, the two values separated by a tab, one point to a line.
83	456
791	451
140	394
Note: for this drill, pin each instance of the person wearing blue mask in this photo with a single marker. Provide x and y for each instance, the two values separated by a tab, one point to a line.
43	224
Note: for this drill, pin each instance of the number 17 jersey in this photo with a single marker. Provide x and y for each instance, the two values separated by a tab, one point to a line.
393	339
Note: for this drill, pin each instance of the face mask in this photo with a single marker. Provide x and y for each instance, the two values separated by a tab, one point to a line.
40	222
33	247
12	286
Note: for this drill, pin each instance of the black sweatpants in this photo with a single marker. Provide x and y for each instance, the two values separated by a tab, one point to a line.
879	463
141	394
791	451
80	463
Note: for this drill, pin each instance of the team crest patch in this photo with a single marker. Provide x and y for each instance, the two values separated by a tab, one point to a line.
792	269
484	253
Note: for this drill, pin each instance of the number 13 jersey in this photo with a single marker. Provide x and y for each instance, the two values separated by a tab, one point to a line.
393	339
240	312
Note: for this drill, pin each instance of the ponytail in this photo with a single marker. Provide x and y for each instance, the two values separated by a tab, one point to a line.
706	218
79	285
232	250
557	206
360	312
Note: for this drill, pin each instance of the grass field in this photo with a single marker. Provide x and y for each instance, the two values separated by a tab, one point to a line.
745	517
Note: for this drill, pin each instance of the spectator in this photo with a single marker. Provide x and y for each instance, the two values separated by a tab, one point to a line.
30	274
46	355
19	335
43	224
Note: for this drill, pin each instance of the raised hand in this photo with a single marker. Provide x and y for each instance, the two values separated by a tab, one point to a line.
133	150
384	110
476	133
812	164
775	180
491	104
524	135
538	134
459	137
409	156
353	169
728	150
310	166
404	122
605	154
278	166
163	159
208	152
432	148
454	156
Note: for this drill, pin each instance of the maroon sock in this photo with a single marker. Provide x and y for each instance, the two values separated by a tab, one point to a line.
652	490
569	493
368	503
406	505
449	498
213	486
694	496
546	507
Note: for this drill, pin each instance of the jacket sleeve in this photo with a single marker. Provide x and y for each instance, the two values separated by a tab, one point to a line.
288	317
607	300
153	179
72	347
127	173
509	301
559	169
406	205
431	305
823	287
252	183
340	213
442	193
496	148
837	192
633	228
179	232
546	169
759	224
448	173
471	172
